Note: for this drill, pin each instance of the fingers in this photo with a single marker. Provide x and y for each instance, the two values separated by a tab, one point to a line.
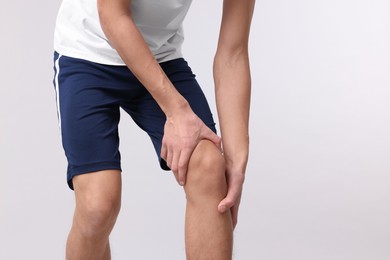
172	160
164	151
227	203
169	158
231	202
183	165
170	163
232	198
177	162
234	212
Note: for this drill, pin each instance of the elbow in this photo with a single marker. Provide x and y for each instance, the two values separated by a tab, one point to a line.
103	14
102	9
109	12
231	52
231	56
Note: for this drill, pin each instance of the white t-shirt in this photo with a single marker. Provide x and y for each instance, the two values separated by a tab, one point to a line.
78	32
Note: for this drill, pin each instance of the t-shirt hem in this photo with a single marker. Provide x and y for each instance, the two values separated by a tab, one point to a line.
114	61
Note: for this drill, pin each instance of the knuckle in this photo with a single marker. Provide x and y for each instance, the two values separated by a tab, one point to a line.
174	168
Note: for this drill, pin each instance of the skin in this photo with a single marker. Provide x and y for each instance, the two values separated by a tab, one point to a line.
232	91
213	187
208	233
98	198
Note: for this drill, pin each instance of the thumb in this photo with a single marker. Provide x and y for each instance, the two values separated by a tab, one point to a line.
226	203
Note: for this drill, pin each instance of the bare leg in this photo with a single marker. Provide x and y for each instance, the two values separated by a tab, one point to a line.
98	197
209	234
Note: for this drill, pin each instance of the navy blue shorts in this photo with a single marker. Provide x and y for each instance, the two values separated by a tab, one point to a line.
89	96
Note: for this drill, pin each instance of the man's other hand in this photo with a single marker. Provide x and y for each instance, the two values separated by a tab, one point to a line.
233	198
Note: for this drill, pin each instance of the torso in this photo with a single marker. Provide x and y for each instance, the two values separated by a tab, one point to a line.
78	33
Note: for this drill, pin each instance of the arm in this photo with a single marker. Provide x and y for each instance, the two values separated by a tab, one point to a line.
183	129
232	90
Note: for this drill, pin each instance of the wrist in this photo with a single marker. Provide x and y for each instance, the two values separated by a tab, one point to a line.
234	176
237	165
176	106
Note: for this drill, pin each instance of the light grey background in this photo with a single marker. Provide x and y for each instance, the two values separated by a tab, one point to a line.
318	179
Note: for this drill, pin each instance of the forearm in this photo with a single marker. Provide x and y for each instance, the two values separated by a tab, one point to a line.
232	82
123	34
232	89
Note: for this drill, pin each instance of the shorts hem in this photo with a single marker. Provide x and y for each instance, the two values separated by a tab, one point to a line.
163	165
88	168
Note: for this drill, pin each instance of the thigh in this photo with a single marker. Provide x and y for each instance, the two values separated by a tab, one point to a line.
99	190
148	115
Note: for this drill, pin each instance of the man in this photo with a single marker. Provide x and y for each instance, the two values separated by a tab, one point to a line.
122	53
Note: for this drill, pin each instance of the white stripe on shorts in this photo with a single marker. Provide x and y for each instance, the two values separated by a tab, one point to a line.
57	66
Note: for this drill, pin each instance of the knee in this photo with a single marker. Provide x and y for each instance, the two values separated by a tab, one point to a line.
97	217
206	172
